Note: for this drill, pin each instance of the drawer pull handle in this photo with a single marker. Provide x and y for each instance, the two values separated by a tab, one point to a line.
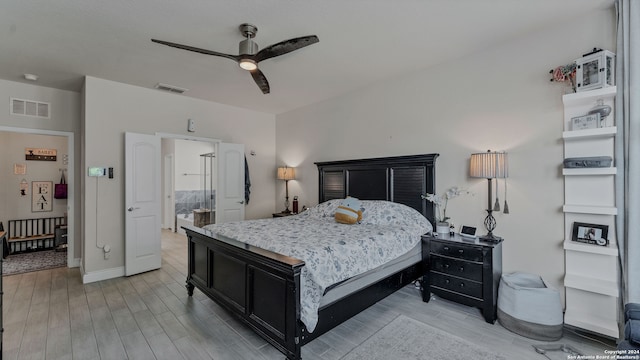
447	281
446	266
460	251
461	268
446	248
461	285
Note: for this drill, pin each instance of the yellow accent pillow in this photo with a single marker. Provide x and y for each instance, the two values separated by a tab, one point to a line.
349	211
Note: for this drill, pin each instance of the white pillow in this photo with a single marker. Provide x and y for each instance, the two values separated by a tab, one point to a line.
387	213
325	209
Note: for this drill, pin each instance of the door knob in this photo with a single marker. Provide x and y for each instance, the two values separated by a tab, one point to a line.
241	202
131	208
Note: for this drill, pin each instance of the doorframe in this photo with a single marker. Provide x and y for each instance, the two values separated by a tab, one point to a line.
168	191
187	137
181	137
71	261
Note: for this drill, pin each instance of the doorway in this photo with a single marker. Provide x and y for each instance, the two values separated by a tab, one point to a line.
188	187
19	174
144	193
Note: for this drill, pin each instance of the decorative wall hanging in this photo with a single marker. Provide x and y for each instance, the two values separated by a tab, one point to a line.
24	187
41	197
19	169
40	154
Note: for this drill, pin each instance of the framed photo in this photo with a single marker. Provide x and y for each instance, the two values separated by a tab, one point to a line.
590	233
41	196
590	121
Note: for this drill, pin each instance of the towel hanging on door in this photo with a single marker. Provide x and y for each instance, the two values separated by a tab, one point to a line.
247	182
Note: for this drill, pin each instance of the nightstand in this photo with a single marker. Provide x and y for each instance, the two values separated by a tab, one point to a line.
464	271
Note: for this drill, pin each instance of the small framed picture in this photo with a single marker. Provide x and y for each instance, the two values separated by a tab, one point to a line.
590	233
590	121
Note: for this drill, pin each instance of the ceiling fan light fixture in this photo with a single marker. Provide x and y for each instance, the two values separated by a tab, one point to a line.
248	55
248	64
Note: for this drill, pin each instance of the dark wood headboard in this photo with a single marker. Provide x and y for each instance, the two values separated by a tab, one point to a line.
400	179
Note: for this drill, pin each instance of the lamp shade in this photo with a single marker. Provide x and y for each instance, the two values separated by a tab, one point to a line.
286	173
489	165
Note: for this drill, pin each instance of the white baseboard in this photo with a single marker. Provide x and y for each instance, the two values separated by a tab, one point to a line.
75	263
101	274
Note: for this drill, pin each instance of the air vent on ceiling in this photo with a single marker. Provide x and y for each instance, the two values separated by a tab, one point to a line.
170	88
30	108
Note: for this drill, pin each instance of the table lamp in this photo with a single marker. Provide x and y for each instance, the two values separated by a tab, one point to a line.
286	173
489	165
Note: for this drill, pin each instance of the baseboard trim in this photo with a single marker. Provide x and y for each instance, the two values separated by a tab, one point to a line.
75	263
102	275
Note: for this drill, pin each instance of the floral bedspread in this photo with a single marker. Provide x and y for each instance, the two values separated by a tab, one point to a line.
332	252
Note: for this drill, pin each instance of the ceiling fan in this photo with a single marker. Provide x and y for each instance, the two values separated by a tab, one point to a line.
249	55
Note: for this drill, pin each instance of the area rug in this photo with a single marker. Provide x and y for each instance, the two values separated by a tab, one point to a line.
405	338
33	261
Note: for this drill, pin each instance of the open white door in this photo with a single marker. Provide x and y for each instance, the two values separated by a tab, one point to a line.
230	187
143	203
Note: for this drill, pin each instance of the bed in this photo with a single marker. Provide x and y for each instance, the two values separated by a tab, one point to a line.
264	287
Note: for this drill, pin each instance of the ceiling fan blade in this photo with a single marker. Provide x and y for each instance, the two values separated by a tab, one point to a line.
195	49
260	80
284	47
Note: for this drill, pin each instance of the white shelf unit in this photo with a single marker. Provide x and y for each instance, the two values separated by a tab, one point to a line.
586	209
591	279
589	171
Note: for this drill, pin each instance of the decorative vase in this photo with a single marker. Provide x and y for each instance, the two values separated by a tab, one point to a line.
442	227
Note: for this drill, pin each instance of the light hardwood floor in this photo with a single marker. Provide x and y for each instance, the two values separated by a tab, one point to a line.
50	314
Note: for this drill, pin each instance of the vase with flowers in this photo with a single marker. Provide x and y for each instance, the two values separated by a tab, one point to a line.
565	73
441	202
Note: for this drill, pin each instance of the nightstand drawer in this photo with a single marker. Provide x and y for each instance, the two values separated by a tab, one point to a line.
459	268
456	284
456	251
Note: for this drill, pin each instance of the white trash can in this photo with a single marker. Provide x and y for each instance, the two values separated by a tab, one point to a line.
528	307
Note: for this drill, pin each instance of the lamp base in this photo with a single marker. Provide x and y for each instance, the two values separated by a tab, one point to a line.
490	238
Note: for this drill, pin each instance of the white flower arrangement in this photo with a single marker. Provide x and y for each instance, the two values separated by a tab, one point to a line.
441	201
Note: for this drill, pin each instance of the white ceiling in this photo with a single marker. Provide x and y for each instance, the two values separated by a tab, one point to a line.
361	42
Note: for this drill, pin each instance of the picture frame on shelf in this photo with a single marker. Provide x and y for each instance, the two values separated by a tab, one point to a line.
593	234
584	122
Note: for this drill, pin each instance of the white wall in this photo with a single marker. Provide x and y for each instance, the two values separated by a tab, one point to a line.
112	108
500	99
12	204
65	112
188	161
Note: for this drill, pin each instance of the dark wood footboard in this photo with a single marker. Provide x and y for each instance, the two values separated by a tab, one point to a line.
263	289
259	286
